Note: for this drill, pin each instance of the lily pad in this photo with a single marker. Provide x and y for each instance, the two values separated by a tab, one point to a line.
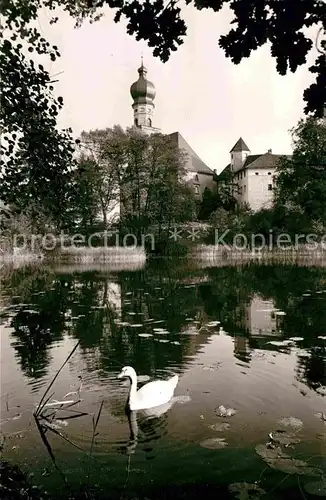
182	399
246	491
220	427
291	422
160	331
214	443
322	337
280	343
321	415
145	335
316	488
283	438
279	460
221	411
322	437
213	323
296	339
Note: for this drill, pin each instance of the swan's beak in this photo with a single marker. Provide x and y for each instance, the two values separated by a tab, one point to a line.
121	375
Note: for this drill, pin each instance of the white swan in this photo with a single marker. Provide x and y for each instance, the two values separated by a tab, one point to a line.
150	395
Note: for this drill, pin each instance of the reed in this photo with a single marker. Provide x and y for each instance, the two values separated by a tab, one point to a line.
88	255
219	256
20	258
95	422
44	400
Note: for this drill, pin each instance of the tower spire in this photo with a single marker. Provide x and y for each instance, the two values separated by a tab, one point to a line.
143	95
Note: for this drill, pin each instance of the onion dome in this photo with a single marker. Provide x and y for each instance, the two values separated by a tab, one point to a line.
142	91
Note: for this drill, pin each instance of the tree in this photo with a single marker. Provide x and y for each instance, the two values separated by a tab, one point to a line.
281	24
301	179
97	177
86	205
226	186
35	156
208	204
145	174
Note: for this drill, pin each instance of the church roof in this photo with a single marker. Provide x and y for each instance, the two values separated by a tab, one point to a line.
142	91
194	163
225	173
240	145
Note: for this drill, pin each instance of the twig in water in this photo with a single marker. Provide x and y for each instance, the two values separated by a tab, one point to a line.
301	491
278	484
2	442
49	449
127	477
95	424
55	431
40	407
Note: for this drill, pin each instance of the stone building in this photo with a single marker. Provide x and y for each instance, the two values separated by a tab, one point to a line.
253	176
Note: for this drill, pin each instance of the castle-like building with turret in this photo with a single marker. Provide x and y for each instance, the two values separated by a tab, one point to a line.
253	177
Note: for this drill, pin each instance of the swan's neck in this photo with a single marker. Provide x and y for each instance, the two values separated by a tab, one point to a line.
133	387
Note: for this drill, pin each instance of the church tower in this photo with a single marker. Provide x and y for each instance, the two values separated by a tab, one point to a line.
143	94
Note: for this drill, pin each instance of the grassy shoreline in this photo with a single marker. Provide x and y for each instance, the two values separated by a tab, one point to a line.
136	257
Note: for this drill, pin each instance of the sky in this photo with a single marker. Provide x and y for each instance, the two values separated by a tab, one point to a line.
199	92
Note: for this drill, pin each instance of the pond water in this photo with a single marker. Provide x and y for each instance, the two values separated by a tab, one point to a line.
251	339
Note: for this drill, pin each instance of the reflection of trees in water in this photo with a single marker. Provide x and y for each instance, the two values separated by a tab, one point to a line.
37	324
311	368
156	297
162	292
33	333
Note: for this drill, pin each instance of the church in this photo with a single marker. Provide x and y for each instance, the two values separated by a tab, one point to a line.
143	92
198	175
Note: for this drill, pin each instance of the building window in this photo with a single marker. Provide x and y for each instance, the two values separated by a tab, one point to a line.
269	173
244	188
196	178
149	121
244	173
136	122
196	189
270	187
257	173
